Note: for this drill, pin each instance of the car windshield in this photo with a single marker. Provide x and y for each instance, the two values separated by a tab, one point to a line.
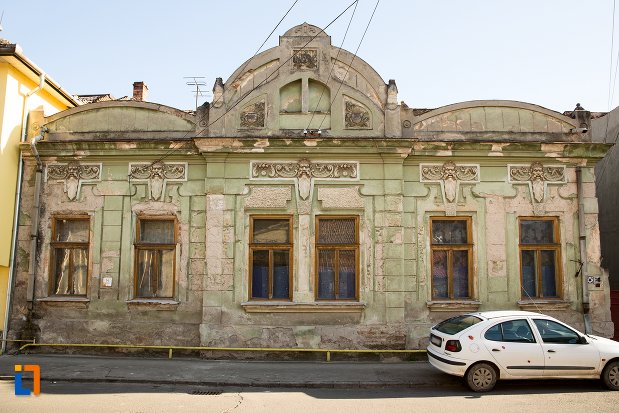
456	324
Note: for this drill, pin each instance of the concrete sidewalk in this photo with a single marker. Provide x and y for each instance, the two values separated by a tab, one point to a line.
281	374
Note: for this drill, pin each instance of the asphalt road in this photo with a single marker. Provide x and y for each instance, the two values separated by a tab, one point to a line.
520	397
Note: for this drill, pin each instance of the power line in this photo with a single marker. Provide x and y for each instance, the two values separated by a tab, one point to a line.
333	65
235	79
265	80
351	62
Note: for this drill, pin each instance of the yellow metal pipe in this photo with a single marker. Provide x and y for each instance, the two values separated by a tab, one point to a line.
257	349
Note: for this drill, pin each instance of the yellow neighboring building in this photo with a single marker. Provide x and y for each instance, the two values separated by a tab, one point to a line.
24	87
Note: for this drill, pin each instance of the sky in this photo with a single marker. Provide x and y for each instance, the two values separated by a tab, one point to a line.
553	53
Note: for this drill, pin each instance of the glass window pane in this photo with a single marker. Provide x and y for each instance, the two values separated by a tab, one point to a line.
260	274
536	232
494	333
326	274
457	324
271	231
61	273
553	332
79	258
549	285
460	268
147	273
281	273
347	281
449	231
439	274
72	230
157	231
517	331
336	231
527	262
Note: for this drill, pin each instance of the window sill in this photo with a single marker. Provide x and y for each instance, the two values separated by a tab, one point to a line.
288	307
65	301
540	305
448	305
157	304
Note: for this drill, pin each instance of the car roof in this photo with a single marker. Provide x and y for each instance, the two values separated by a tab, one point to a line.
507	313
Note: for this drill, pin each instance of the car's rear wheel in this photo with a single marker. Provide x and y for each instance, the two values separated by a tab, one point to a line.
481	377
610	375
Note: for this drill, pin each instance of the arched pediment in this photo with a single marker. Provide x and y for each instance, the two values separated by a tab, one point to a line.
117	119
304	81
493	116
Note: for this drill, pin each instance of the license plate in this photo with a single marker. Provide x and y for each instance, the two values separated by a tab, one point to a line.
436	340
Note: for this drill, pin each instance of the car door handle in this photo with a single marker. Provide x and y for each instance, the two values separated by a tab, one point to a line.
495	349
551	351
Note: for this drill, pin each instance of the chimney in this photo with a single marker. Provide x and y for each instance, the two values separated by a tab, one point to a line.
140	91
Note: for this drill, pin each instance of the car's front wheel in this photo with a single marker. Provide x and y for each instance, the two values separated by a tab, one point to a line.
481	377
610	375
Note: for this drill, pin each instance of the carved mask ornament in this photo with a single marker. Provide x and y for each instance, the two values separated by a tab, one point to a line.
537	176
157	174
74	175
450	175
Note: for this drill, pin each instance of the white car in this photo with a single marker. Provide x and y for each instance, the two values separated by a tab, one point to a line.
483	347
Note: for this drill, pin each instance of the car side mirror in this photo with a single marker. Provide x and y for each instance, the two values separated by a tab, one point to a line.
582	340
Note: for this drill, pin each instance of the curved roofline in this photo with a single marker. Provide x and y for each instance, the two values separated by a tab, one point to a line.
123	103
245	65
496	103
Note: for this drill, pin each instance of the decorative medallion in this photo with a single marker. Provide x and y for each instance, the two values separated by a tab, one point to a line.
158	174
449	175
304	172
252	116
406	124
304	59
356	116
537	176
74	175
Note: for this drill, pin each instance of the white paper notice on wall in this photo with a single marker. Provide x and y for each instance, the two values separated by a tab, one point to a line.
107	281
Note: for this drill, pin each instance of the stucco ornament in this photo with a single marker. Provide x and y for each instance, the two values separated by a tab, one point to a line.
304	172
449	175
305	59
537	176
158	174
356	116
74	174
252	116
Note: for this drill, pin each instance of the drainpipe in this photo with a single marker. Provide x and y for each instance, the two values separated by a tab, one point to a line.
34	226
582	239
9	297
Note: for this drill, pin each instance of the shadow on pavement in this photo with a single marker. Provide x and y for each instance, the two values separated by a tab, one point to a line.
453	390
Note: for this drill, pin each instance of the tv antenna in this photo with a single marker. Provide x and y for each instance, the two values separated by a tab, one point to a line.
197	83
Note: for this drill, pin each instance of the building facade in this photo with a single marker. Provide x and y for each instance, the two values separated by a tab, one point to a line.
23	87
305	207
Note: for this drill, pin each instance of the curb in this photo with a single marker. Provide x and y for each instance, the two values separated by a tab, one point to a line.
289	385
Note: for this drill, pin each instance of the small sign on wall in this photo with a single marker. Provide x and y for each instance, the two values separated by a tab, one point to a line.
107	281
